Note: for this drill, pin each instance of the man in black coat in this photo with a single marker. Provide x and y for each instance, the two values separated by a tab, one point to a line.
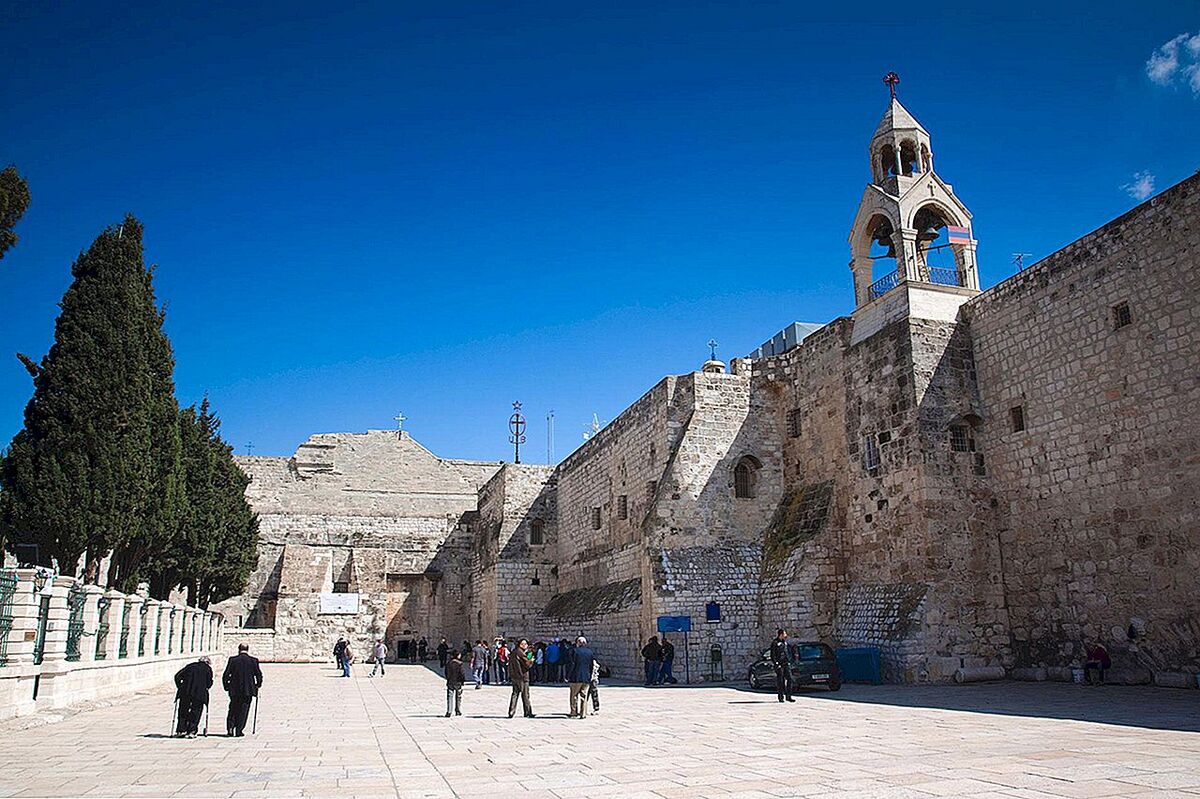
783	665
242	679
191	691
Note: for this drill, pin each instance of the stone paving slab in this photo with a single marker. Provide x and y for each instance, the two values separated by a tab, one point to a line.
324	736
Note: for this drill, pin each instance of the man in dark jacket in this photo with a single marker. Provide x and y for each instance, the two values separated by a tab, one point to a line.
783	666
241	680
191	691
454	683
666	672
443	649
652	654
579	674
518	674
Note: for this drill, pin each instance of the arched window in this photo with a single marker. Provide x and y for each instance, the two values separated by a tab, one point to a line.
745	474
537	532
908	158
887	160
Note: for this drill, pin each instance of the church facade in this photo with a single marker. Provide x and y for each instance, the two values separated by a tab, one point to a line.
962	479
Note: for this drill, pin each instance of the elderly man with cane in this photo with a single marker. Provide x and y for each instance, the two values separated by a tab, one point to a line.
242	679
191	696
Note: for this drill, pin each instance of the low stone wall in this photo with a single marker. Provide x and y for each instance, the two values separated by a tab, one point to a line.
63	642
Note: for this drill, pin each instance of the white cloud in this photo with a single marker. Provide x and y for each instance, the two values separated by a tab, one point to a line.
1141	187
1178	59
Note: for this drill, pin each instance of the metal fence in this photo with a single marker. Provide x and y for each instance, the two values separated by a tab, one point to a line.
76	597
8	592
102	628
123	643
157	633
171	633
884	284
142	633
944	277
39	643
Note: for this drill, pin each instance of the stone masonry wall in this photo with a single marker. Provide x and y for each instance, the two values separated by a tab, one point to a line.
1098	496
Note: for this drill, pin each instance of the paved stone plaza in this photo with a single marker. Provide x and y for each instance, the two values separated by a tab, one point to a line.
324	736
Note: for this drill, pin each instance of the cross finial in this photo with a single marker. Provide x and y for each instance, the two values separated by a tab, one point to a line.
891	79
712	348
399	419
249	447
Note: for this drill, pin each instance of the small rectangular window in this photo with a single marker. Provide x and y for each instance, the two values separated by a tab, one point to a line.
1017	415
623	506
885	437
794	423
596	518
653	454
961	439
341	588
537	532
1121	315
870	453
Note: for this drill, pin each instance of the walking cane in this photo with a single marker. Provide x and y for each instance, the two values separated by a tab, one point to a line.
174	715
254	727
205	720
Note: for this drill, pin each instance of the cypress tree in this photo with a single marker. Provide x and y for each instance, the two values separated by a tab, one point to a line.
14	199
217	543
95	468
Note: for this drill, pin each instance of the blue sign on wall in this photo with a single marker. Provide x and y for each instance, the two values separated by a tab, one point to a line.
674	624
712	611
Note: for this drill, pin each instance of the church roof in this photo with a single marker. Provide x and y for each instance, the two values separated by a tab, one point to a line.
897	117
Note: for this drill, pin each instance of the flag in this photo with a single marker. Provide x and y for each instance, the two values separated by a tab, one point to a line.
958	235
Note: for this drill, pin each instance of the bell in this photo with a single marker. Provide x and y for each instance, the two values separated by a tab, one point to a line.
928	234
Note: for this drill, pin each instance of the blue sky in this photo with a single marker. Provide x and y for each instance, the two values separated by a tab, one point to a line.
440	208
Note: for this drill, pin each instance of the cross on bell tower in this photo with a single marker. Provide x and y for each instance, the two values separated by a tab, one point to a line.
908	214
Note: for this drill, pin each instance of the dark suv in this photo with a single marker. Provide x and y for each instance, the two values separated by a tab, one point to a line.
813	663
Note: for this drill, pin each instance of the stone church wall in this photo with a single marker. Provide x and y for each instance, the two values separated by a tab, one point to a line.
1097	498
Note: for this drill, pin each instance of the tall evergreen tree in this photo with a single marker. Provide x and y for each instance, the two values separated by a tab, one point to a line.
14	199
216	546
92	469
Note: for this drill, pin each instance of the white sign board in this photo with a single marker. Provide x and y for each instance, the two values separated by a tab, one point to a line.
339	603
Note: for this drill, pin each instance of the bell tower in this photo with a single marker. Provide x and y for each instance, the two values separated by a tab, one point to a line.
910	226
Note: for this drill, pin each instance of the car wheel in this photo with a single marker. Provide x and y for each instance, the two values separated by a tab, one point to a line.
834	686
752	680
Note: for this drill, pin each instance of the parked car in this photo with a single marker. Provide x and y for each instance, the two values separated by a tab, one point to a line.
813	663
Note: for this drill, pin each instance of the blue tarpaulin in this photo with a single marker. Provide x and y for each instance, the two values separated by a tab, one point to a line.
860	664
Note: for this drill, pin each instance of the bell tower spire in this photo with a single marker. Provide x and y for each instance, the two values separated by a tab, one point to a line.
910	225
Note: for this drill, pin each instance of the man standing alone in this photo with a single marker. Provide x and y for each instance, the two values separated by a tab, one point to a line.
518	675
579	675
380	654
479	663
242	679
443	649
191	691
782	663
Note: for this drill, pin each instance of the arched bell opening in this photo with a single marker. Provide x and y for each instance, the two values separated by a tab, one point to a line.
908	158
938	261
926	159
887	161
881	246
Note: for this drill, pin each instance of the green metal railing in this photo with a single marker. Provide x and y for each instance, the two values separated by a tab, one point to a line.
142	631
123	643
39	643
157	632
76	597
8	592
171	633
102	628
193	639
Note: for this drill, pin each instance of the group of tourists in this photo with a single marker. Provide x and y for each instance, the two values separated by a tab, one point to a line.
659	660
241	680
574	663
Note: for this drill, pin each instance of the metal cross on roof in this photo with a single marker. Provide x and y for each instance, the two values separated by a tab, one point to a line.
712	348
399	419
249	447
891	79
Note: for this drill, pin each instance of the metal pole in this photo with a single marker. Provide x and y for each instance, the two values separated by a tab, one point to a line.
687	658
174	715
254	727
205	719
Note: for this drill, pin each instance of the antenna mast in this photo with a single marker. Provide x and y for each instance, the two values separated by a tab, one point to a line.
550	437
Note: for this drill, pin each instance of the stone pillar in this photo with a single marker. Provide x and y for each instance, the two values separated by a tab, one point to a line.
153	613
192	642
905	242
91	622
180	630
862	267
968	269
54	649
23	634
135	603
116	606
